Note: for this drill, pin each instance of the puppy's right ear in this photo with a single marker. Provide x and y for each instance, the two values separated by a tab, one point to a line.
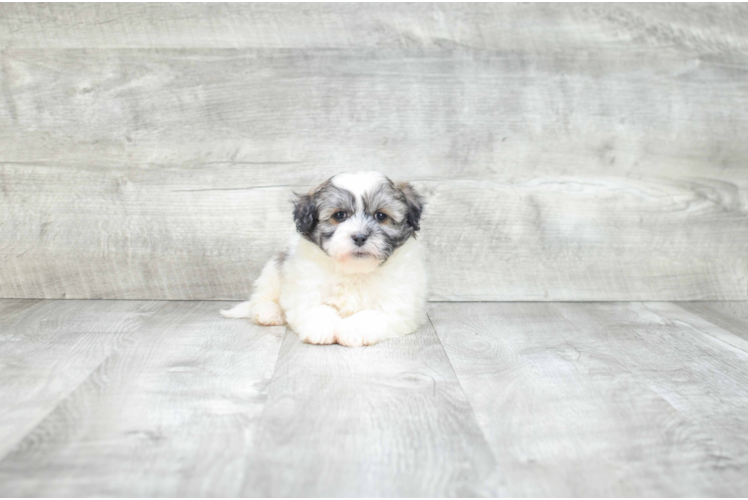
305	214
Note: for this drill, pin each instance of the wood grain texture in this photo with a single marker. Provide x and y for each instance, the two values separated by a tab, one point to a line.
735	309
725	315
293	116
48	348
386	420
171	213
148	151
540	239
561	239
169	414
716	28
121	398
621	399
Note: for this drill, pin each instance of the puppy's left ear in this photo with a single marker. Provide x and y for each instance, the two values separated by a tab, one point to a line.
415	203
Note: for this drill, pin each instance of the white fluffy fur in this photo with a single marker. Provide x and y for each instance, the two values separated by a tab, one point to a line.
339	298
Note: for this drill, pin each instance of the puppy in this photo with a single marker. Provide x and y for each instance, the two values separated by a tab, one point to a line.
353	273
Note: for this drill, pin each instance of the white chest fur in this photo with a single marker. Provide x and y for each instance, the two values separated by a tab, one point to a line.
350	294
312	277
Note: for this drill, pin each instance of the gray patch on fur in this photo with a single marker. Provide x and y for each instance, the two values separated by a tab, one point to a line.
403	206
280	258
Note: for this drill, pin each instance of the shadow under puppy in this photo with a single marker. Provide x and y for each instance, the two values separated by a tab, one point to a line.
353	273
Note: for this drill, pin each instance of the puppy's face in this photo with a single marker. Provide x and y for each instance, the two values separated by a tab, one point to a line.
358	219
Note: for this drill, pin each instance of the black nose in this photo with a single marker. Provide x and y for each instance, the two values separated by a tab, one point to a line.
359	239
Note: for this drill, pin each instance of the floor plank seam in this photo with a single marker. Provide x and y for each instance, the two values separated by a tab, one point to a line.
272	375
473	414
62	400
127	337
261	417
653	407
737	345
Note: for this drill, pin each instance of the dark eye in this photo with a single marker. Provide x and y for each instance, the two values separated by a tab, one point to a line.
380	216
339	216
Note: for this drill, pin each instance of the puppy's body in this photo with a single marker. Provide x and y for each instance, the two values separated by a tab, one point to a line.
354	274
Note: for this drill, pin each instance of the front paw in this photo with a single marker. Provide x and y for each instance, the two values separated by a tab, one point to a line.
363	328
318	325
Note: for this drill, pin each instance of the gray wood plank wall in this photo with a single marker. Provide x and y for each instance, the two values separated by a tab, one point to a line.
568	152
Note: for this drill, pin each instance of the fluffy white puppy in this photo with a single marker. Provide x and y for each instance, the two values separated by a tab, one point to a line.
353	273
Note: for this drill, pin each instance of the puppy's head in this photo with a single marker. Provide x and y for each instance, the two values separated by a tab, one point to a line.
358	219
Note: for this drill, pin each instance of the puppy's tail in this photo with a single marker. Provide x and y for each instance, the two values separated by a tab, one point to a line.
242	310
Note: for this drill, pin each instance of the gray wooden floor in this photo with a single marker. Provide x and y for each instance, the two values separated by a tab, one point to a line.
139	398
